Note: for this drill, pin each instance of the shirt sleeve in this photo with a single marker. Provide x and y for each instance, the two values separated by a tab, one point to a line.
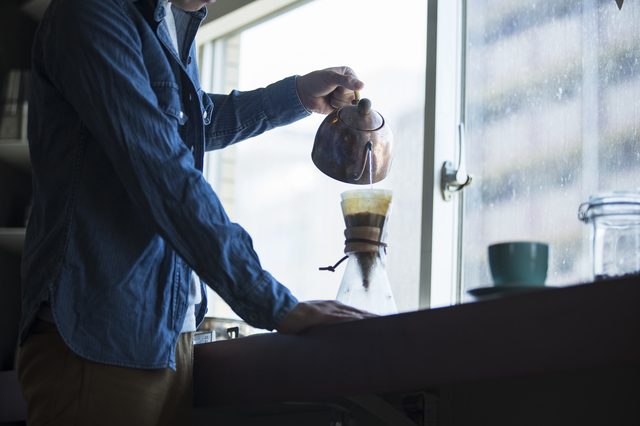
97	64
242	115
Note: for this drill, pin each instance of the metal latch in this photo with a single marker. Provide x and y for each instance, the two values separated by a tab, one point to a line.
455	179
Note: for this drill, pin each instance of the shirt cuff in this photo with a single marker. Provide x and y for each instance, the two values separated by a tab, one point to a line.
282	103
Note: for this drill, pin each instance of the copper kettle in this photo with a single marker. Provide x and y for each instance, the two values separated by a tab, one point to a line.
348	138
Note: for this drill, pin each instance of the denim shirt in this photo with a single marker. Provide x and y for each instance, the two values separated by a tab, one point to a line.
118	127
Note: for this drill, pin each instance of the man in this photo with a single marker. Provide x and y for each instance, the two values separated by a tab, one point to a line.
122	216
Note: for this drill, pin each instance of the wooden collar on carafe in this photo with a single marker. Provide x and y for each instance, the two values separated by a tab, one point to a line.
363	239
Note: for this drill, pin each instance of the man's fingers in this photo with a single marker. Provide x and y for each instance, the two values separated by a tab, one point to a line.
346	82
346	311
339	103
328	89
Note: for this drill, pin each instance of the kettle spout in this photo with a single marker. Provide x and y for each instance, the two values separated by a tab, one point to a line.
355	176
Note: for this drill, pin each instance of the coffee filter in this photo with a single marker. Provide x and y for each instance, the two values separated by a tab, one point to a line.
373	201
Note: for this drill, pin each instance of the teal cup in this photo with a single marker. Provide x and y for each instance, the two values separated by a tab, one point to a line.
519	263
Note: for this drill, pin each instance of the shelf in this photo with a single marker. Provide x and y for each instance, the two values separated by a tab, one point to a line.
12	239
557	333
16	152
35	8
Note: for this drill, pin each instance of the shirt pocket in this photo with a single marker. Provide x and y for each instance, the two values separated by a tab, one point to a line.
169	100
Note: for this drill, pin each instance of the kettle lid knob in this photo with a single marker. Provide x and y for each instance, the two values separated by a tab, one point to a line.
364	106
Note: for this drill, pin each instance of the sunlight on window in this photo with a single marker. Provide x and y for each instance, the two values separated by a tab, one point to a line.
291	209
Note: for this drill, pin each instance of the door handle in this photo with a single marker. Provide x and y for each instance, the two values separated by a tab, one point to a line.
455	179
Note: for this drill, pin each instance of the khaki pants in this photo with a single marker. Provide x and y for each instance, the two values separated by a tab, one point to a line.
62	388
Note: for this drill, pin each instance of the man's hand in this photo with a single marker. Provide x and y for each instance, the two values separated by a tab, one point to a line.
307	314
329	89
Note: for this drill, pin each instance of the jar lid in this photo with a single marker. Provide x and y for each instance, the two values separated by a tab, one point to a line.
620	202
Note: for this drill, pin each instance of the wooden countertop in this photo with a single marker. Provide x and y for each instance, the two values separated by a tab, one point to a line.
567	329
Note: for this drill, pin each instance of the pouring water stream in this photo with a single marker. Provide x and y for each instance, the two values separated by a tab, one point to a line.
371	168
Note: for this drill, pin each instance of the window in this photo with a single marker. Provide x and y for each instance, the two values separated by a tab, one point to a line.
549	94
269	184
552	95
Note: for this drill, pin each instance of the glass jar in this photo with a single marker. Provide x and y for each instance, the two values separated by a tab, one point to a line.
615	234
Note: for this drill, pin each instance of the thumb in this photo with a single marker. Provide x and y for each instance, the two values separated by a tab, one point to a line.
344	77
349	82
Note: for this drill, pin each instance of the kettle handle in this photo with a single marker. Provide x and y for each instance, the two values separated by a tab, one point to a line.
367	149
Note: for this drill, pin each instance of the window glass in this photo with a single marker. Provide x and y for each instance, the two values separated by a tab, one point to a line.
552	117
269	184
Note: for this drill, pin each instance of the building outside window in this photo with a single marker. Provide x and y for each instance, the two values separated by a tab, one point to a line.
552	114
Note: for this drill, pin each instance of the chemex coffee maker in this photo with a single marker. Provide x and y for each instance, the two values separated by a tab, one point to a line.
354	145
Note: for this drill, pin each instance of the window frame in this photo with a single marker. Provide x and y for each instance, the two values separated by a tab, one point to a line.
440	225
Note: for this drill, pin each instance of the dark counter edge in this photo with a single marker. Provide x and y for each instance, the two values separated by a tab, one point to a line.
565	329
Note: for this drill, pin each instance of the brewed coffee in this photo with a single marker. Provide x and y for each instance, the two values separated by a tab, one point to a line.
365	219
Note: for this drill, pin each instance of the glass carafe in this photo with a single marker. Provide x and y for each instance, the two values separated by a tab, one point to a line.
365	284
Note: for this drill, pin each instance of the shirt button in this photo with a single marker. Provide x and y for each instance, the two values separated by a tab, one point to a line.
181	115
204	116
188	60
